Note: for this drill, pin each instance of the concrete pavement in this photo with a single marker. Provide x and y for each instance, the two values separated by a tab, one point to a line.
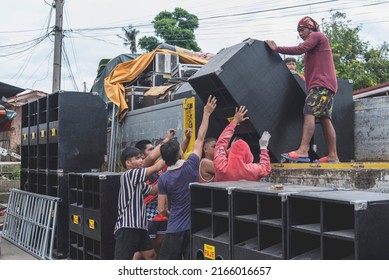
9	251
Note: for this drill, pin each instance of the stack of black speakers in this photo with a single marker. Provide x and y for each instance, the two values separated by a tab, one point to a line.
253	220
61	133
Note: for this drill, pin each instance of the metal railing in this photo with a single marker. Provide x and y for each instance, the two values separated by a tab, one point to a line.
30	222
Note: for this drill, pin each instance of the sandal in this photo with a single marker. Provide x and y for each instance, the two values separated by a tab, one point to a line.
326	160
293	156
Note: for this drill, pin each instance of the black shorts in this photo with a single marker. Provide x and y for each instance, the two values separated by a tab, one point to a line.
131	240
156	228
175	246
319	102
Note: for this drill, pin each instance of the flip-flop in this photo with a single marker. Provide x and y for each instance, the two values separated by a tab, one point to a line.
326	160
292	156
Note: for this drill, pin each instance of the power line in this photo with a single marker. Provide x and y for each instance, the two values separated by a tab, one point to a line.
47	58
238	21
25	46
68	66
72	45
210	17
268	10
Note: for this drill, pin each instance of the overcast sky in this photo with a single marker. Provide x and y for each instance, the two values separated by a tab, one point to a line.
92	28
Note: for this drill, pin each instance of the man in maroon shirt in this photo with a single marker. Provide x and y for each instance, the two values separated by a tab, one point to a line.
321	83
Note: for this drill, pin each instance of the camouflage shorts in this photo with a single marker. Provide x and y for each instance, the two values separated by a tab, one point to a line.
319	102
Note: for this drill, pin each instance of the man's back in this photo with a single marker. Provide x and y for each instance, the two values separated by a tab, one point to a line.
175	184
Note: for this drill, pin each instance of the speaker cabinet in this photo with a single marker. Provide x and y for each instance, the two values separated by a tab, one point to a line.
252	75
338	225
92	214
210	222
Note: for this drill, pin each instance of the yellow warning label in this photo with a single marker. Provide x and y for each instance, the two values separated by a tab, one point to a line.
43	133
209	251
53	132
75	219
230	120
189	122
32	135
91	224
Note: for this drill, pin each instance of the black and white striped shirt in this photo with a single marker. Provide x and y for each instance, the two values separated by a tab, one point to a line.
131	209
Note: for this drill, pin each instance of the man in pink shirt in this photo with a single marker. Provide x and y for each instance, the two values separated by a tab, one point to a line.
236	163
321	83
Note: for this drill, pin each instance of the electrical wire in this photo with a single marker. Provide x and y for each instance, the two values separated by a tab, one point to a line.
71	44
47	58
218	25
238	21
68	66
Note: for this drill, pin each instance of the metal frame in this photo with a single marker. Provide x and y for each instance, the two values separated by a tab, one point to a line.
30	222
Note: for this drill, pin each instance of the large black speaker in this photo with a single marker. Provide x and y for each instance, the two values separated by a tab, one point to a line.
210	221
61	132
343	121
254	220
259	220
64	131
92	214
252	75
57	186
52	184
338	225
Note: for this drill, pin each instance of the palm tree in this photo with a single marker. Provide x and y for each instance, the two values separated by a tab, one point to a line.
129	38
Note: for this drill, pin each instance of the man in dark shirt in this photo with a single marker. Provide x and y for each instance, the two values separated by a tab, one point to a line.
174	183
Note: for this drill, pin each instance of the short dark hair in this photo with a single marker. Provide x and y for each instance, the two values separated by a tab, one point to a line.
141	145
209	139
127	153
170	151
290	59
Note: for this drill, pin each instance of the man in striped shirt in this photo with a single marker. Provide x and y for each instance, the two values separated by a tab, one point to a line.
131	225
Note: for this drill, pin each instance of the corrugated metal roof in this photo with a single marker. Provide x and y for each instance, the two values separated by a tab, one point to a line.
378	90
7	90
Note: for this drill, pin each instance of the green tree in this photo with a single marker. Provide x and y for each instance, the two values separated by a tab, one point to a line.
355	59
175	28
129	38
148	43
376	64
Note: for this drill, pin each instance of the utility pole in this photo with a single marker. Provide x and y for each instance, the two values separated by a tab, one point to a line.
57	45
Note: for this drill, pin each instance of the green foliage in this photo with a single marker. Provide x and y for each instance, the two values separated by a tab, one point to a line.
10	172
129	38
175	28
148	43
377	64
355	59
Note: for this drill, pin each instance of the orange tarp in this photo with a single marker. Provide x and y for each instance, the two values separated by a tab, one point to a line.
129	71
